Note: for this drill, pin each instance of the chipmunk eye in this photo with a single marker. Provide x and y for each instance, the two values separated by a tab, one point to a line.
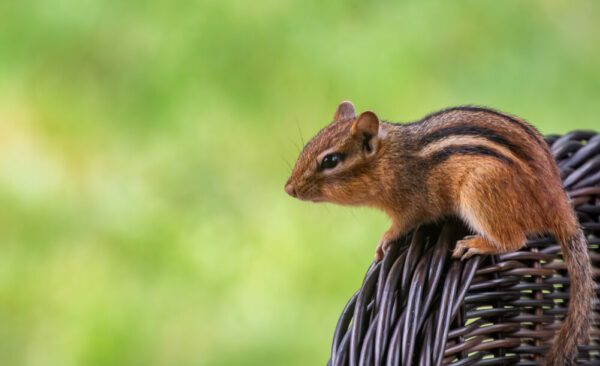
330	161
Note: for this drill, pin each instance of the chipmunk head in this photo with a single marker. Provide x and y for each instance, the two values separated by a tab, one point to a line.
337	165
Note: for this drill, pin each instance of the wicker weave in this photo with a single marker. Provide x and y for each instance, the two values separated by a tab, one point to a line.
420	307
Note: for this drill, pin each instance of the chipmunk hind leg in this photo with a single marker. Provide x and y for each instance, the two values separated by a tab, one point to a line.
496	219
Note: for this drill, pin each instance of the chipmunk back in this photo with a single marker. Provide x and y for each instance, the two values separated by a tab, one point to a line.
492	170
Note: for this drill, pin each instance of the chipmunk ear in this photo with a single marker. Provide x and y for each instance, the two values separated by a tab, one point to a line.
367	124
366	127
345	110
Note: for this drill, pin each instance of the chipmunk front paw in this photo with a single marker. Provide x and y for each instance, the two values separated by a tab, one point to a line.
381	248
386	240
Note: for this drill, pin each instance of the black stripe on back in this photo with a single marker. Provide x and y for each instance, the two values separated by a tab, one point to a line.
471	130
442	155
529	129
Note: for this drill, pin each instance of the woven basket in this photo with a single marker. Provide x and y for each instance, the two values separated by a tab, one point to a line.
418	306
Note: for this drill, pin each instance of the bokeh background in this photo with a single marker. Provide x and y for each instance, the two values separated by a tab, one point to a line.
144	146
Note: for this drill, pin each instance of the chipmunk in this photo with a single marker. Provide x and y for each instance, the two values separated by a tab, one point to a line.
492	170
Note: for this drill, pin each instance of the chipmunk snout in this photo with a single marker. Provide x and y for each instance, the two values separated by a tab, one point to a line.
290	189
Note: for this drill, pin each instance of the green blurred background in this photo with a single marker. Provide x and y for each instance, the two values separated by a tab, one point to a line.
144	146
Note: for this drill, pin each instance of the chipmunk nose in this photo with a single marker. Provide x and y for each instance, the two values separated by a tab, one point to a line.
291	190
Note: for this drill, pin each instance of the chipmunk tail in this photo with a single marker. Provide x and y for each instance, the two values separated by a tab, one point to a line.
577	324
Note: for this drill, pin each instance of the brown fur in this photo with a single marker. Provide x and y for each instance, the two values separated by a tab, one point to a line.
490	169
